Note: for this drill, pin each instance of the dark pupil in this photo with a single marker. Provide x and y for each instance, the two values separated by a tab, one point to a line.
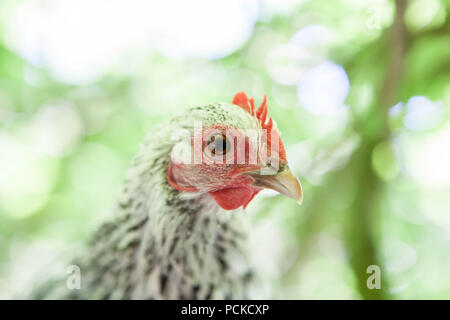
217	144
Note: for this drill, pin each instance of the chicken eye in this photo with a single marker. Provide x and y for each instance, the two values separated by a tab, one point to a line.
217	144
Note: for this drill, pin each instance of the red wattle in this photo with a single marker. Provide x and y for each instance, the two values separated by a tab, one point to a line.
233	198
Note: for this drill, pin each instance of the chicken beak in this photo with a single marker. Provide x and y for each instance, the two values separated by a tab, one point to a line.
284	182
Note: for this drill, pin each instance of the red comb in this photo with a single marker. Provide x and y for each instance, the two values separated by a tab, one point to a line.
248	105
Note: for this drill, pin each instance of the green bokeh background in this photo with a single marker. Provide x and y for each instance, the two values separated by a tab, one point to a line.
376	173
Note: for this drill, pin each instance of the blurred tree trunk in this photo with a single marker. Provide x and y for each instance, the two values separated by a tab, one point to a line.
359	240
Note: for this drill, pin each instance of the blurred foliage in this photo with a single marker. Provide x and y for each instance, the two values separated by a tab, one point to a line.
359	89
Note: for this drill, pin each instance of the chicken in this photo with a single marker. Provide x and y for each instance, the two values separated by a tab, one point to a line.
179	232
